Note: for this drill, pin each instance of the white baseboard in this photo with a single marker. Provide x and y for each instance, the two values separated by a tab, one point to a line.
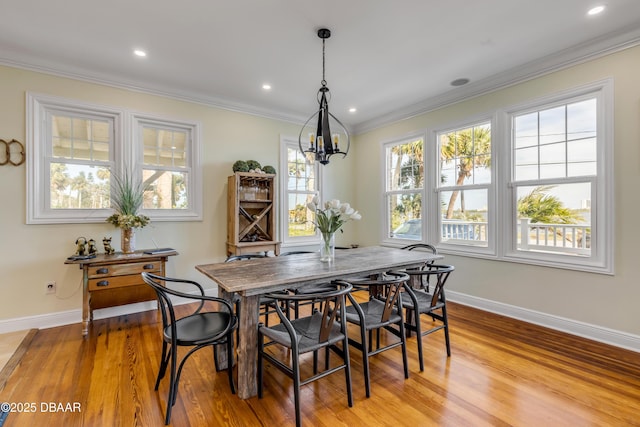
585	330
573	327
51	320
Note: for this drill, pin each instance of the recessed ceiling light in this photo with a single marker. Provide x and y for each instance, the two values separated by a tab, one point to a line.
459	82
139	52
353	109
266	86
596	10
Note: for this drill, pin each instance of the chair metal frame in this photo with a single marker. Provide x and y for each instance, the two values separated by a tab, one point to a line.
174	328
299	335
423	301
381	311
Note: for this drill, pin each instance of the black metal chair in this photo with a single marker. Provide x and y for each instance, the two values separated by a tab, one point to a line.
433	303
429	248
198	330
308	334
383	310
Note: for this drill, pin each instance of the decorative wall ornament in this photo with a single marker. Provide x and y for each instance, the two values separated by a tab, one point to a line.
13	153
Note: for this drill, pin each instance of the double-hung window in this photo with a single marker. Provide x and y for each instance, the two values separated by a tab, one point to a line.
532	183
561	198
404	176
73	148
300	182
167	155
464	185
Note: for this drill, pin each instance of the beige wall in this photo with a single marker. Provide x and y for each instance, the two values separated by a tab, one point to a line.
30	255
605	301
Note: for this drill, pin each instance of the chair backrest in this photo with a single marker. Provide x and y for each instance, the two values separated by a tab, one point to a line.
441	274
388	288
332	300
165	305
244	257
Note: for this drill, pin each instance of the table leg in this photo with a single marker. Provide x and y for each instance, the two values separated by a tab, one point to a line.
221	353
248	347
86	306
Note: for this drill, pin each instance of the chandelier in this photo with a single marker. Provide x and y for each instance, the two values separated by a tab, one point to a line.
320	141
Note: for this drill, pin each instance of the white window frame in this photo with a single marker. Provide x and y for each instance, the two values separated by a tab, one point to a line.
426	195
461	247
502	217
289	142
602	185
122	153
193	168
39	157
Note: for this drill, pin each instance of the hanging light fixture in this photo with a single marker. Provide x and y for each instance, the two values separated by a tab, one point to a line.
321	141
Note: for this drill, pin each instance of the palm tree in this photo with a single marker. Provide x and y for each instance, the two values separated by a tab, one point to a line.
59	182
408	173
469	148
80	184
541	207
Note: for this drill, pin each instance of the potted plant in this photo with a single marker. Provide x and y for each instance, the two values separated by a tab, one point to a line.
127	195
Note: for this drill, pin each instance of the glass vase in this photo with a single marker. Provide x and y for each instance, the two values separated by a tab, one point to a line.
327	247
128	240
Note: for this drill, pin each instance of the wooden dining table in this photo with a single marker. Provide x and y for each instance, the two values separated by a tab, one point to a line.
251	278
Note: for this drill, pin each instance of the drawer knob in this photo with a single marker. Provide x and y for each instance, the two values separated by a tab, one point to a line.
103	283
148	266
102	271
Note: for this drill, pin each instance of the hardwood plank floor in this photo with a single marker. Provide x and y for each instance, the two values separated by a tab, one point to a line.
502	372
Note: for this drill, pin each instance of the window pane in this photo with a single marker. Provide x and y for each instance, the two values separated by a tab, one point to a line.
301	174
552	125
526	130
405	213
78	186
555	219
582	119
165	147
405	167
80	138
567	135
465	156
300	218
167	190
464	216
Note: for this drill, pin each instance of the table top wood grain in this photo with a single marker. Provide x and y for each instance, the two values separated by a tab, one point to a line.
263	275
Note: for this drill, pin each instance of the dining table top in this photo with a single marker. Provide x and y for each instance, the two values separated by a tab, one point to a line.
263	275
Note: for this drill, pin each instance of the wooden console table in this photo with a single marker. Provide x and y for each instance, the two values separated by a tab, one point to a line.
111	280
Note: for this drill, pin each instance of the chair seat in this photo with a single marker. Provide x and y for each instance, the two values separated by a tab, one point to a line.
424	302
373	313
307	329
199	328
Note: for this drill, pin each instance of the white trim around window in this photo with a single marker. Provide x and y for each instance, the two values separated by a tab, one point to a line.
288	145
116	147
599	259
502	218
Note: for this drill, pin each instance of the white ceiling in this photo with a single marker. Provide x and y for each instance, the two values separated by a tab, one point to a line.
389	59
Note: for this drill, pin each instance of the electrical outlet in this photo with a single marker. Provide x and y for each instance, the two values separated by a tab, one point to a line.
50	287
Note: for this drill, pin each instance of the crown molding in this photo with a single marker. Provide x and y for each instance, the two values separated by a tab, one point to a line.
622	39
613	42
185	96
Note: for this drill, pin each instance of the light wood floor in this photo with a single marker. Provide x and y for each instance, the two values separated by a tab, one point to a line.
501	373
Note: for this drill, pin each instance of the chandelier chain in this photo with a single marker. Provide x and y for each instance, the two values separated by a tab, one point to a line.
324	81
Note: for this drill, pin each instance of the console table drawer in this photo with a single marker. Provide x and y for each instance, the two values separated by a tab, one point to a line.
115	282
124	269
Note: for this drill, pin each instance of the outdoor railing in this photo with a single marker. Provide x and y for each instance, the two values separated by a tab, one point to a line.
567	238
563	238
